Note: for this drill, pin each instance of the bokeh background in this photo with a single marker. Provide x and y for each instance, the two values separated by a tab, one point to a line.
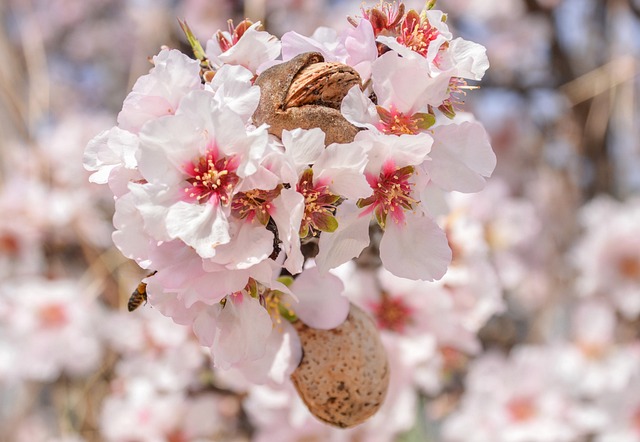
552	313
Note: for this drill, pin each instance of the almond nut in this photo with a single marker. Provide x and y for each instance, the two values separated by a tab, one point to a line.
344	372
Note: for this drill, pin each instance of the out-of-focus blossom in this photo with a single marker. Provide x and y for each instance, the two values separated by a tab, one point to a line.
607	257
514	399
50	327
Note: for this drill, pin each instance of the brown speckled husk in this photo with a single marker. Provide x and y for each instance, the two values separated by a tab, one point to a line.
344	372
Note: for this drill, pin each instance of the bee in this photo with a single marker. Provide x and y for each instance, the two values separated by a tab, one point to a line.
139	295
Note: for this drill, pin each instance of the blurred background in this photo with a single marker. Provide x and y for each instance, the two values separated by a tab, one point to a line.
550	313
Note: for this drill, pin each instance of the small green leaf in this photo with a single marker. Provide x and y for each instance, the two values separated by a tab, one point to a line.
430	4
198	51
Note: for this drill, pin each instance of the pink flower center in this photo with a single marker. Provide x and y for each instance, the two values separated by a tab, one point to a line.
236	33
384	17
9	244
629	267
211	179
635	420
457	92
453	359
391	194
417	33
592	350
52	316
392	313
521	409
396	123
254	204
319	206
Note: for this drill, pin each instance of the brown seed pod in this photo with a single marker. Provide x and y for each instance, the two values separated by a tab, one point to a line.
344	372
306	92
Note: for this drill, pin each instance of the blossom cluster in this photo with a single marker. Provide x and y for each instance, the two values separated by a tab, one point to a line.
220	208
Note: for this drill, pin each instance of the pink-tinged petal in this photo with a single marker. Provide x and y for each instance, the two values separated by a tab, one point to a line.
242	329
320	301
109	150
250	244
140	108
405	84
233	90
119	181
303	146
461	157
204	324
252	50
415	249
360	43
159	93
153	202
347	242
287	212
169	305
341	166
201	226
359	110
437	19
233	139
129	236
166	144
283	353
401	49
400	151
324	40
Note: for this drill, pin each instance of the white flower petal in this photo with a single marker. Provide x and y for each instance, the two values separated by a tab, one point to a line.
242	329
461	157
320	304
415	249
287	212
347	242
303	146
283	353
202	226
359	110
341	166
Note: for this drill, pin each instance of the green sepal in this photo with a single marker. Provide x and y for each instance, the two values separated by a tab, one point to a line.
424	120
252	288
447	109
364	202
381	217
286	280
287	314
198	51
304	230
325	222
263	217
328	198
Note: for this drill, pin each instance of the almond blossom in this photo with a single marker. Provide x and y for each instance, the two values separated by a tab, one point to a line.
227	212
607	257
390	170
50	330
244	45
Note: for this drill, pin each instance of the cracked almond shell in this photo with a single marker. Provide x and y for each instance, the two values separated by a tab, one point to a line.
305	92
